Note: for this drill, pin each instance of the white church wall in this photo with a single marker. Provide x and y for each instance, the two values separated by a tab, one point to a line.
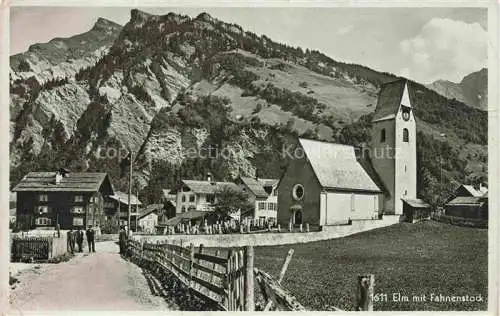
338	208
365	206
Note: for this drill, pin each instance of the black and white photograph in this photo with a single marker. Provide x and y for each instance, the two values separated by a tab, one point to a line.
250	158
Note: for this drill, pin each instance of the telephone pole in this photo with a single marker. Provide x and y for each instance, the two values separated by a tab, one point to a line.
129	192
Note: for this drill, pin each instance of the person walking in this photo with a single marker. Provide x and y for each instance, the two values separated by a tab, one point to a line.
70	241
79	239
91	238
122	240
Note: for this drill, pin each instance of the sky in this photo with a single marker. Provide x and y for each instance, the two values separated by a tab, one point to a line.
423	44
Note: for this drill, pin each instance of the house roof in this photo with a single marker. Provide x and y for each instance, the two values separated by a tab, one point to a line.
123	198
389	100
416	203
466	200
207	187
174	221
73	181
476	193
186	216
336	166
256	186
150	209
167	194
269	182
193	214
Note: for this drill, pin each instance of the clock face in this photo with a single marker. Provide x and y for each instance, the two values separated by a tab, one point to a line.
406	114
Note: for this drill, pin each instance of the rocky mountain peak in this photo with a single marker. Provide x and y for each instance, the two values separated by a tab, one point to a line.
105	24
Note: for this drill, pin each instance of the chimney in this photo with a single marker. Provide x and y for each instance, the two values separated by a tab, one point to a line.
61	173
59	177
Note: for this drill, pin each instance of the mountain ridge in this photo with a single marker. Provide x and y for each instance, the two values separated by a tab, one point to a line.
169	83
472	89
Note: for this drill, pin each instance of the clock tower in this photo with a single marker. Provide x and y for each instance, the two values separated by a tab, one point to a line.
393	145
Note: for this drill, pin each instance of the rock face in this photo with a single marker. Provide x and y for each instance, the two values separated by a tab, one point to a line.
166	86
472	90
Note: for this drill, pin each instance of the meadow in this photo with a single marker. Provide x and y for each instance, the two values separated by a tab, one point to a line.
406	259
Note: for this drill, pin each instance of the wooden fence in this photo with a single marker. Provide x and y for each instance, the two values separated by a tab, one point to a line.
225	281
36	248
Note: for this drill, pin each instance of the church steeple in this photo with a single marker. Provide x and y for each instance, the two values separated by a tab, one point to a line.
393	144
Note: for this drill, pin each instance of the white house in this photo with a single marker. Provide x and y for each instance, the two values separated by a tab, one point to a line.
199	195
148	219
263	193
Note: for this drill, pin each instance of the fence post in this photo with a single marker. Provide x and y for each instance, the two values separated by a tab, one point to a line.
300	228
228	280
365	293
290	226
249	286
191	263
307	227
200	251
279	228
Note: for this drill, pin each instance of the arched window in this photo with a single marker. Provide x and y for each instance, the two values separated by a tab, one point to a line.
406	137
382	135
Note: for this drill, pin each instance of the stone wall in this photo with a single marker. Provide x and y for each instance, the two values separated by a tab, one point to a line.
274	238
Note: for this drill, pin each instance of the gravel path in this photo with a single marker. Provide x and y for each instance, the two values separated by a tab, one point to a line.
97	281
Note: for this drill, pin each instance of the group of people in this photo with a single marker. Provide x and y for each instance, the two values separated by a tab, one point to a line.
76	238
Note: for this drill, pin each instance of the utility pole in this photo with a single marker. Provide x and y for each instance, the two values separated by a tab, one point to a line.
137	211
129	192
443	136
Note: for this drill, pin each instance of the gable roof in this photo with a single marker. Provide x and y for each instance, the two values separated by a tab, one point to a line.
336	166
150	209
71	182
167	194
123	198
389	100
416	203
207	187
466	200
473	191
256	186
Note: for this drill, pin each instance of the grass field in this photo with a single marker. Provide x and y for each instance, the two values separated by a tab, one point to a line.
410	259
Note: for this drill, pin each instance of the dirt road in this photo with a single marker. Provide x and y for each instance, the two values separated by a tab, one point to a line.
97	281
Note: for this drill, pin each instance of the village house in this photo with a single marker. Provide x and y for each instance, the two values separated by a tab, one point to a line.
330	184
263	194
200	195
70	199
148	218
116	208
468	202
167	195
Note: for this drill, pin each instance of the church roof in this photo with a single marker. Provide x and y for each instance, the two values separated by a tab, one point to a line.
336	166
389	99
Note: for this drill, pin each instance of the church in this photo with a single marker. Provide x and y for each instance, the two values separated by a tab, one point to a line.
334	184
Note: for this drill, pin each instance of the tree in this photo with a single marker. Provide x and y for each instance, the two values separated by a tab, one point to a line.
230	201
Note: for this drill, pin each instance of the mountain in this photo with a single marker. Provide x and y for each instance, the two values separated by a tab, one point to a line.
472	90
192	95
